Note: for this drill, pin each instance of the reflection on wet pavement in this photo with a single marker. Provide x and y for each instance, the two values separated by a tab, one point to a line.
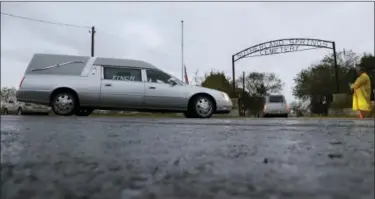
69	157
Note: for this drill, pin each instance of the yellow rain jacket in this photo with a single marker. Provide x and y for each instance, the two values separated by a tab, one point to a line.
362	93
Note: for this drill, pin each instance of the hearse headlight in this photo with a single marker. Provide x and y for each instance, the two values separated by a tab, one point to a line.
225	96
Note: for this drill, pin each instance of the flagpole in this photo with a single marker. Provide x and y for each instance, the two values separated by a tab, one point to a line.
182	50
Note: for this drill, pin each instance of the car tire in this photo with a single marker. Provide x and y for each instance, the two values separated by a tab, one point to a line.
265	115
64	103
19	111
286	115
202	106
84	112
5	112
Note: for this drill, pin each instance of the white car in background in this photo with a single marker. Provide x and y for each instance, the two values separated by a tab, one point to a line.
11	107
20	108
276	105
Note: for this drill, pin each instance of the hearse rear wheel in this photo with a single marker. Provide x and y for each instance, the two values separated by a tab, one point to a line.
64	104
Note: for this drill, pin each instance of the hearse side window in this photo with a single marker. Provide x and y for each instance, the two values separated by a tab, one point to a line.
276	99
157	76
122	74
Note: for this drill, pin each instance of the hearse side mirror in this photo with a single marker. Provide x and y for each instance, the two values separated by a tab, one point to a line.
172	82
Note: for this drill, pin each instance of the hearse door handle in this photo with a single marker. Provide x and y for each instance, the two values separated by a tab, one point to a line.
107	84
151	87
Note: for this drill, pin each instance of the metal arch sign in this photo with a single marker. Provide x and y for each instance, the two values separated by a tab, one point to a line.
282	46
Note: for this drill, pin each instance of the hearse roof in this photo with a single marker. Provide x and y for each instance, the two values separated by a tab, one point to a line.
123	62
105	61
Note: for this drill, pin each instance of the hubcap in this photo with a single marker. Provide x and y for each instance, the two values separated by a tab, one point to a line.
19	112
204	107
64	104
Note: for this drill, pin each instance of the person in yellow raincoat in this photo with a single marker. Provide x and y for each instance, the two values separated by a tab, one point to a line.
362	93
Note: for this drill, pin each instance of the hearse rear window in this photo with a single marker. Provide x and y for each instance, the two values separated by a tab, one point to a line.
276	99
122	74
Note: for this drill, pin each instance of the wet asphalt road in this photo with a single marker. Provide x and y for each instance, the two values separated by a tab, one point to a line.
126	158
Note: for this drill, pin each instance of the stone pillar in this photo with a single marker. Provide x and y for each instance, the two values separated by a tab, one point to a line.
235	111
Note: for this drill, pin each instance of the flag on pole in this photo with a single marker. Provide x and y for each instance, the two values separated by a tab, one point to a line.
186	77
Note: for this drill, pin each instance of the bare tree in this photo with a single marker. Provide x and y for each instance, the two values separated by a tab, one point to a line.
261	84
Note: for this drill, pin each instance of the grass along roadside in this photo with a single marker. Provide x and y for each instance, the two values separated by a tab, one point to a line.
154	115
157	115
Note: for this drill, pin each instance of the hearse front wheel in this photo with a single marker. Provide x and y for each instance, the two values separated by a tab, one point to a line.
203	106
64	104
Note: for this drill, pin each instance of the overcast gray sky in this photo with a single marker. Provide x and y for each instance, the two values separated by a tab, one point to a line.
212	32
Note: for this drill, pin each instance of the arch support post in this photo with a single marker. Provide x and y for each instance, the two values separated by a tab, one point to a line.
233	76
336	67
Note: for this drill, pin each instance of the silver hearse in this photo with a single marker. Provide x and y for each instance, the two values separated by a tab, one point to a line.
80	84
